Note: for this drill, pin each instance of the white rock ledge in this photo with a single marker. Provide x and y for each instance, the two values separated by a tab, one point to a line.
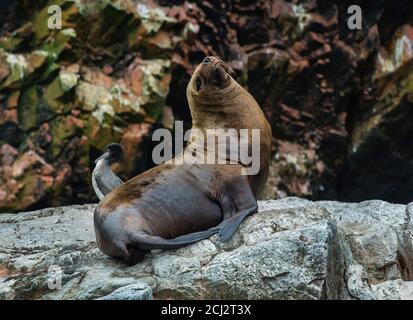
291	249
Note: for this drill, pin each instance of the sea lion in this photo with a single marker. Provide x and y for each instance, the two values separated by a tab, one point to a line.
174	205
104	179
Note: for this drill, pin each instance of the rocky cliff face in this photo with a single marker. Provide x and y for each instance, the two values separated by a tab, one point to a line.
291	249
339	100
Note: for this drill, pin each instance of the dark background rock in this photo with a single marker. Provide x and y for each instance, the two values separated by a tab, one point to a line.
339	100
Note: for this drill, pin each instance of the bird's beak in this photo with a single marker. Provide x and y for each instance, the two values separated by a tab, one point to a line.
104	155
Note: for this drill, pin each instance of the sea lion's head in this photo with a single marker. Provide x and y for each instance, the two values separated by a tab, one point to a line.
211	79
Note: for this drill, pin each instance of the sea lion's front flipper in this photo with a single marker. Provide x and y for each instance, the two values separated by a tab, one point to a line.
237	203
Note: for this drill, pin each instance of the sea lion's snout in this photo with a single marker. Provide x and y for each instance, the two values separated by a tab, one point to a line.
211	75
215	61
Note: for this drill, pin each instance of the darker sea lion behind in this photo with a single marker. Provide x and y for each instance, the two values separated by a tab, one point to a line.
104	180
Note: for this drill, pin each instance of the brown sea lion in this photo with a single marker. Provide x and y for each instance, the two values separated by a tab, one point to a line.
174	205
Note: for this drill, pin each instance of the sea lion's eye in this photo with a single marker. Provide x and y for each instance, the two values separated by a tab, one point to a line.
198	83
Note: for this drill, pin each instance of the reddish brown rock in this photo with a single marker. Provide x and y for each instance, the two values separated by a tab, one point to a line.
24	178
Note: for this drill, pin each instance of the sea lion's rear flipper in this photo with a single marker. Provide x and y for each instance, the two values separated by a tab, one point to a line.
144	241
237	203
129	254
229	226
